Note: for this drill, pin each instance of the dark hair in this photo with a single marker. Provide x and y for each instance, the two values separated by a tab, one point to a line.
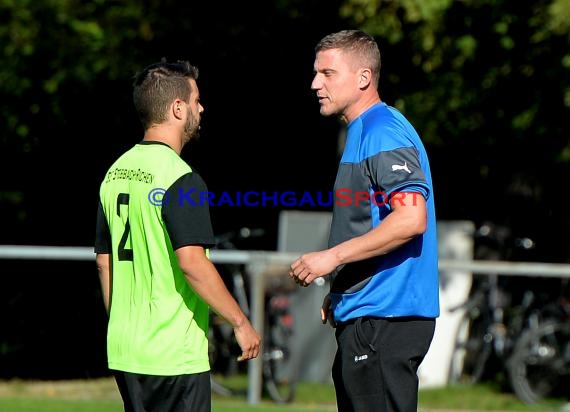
360	45
158	85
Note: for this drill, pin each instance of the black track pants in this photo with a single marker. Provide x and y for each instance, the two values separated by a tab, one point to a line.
376	364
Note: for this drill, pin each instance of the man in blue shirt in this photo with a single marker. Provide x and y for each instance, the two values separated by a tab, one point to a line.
382	254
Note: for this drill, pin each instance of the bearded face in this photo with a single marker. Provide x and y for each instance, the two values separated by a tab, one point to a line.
192	127
194	114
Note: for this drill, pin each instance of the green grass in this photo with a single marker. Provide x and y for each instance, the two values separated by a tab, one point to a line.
480	398
58	405
101	396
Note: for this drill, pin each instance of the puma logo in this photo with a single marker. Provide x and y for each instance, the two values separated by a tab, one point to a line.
401	167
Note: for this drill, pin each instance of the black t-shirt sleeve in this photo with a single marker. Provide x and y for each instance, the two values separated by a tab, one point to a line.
187	213
102	232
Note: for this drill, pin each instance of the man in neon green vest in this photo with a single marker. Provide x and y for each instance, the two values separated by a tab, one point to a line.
152	240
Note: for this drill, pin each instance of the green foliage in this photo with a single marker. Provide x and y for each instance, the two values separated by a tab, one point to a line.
387	19
486	82
558	17
465	56
480	79
468	46
49	45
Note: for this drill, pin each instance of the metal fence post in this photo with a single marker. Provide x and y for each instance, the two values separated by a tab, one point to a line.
255	270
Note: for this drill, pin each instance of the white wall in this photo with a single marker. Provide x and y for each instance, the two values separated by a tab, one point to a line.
455	240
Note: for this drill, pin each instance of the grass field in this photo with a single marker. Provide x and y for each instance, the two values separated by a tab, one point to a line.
100	395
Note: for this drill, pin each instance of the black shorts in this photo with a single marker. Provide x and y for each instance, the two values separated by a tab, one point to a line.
150	393
376	364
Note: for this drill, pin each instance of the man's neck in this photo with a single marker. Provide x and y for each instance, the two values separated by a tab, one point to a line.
360	107
164	135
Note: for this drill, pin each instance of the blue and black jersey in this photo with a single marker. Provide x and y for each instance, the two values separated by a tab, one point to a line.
383	158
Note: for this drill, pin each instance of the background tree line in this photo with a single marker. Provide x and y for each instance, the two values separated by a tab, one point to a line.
486	83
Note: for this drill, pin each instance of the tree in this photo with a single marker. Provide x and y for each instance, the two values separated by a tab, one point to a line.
68	73
487	83
56	54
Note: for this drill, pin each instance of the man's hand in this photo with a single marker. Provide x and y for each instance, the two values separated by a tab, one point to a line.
311	266
326	312
248	340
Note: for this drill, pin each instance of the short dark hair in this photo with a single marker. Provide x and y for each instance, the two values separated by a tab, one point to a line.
360	45
156	86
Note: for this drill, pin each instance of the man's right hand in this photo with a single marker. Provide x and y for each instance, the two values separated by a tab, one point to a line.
326	312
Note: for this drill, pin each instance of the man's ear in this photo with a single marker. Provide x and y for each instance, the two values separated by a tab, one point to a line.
365	77
178	108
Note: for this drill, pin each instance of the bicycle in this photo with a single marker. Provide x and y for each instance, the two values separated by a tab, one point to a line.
278	381
483	337
494	314
540	363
